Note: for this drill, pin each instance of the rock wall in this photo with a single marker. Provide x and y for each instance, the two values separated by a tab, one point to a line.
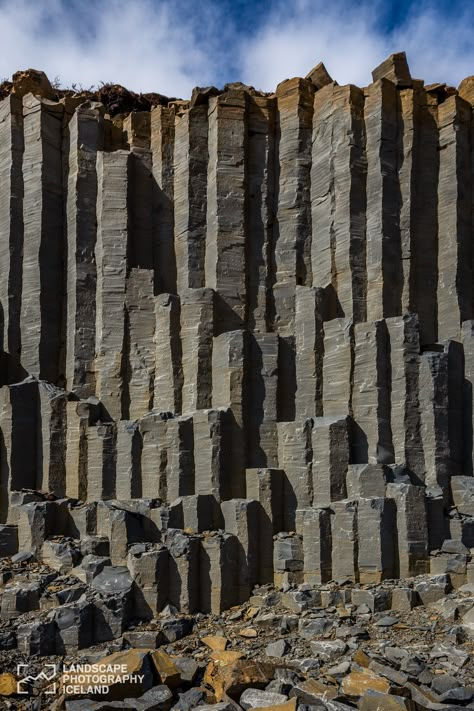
247	316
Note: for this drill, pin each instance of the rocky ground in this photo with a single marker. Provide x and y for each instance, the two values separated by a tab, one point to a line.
335	647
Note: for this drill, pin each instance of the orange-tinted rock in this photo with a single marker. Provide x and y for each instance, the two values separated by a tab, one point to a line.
396	69
357	683
361	658
8	685
226	657
166	669
216	643
31	81
232	679
319	76
466	90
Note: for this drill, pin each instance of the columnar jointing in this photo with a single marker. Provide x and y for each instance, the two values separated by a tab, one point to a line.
42	299
86	136
11	223
239	330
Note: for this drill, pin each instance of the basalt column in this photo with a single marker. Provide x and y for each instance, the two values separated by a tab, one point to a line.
41	309
454	217
236	346
338	199
384	257
162	123
260	208
225	262
292	228
86	137
190	187
11	222
111	260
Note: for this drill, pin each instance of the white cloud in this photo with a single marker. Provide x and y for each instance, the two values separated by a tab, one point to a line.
291	42
348	39
144	45
439	48
169	46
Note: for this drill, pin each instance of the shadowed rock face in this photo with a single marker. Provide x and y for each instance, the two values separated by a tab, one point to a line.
237	335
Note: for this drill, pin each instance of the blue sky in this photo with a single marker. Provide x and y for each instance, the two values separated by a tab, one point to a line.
170	46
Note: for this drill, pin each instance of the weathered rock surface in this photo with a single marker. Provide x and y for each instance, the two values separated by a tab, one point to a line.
237	349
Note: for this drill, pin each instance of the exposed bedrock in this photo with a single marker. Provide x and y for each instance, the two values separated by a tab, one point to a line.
237	335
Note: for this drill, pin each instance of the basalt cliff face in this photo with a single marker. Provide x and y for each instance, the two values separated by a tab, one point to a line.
237	336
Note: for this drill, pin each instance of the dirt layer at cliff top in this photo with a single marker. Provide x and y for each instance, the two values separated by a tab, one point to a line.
116	98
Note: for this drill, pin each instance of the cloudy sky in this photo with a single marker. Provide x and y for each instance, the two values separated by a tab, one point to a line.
169	46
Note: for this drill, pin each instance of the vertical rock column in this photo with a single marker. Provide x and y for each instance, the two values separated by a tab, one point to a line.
315	527
86	137
41	310
468	393
212	453
11	222
139	351
338	364
137	129
260	207
384	258
139	344
344	541
330	444
295	458
309	339
376	523
229	356
435	419
197	324
190	196
225	259
150	571
229	363
338	196
154	457
184	570
261	417
266	487
180	460
404	392
162	147
408	117
101	461
456	381
129	449
454	217
424	216
168	354
372	437
241	519
111	259
18	440
77	420
140	191
322	191
411	529
293	229
218	572
52	439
